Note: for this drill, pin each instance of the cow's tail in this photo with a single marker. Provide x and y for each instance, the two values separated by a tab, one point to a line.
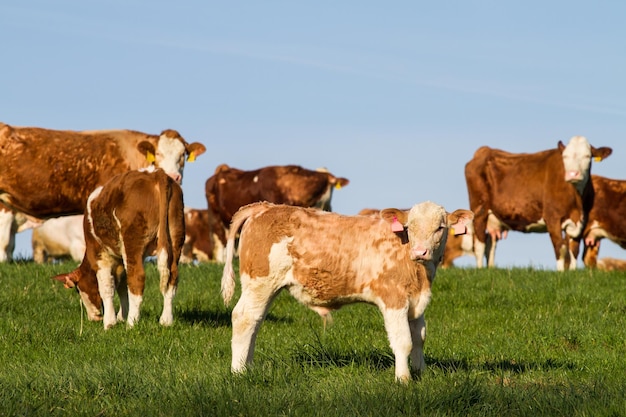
240	217
164	245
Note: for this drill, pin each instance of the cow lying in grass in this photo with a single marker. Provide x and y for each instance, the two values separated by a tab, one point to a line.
134	215
327	260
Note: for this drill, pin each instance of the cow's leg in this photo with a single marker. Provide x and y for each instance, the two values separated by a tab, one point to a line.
6	235
247	316
136	278
590	254
490	250
399	334
479	252
418	336
168	273
106	288
122	293
561	248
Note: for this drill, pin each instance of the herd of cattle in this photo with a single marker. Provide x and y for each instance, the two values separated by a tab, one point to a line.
122	202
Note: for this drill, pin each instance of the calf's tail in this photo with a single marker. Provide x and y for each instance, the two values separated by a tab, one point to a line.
240	217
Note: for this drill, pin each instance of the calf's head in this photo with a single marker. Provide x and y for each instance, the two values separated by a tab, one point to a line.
86	284
170	153
426	227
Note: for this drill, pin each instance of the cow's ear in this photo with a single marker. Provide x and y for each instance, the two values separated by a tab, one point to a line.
194	150
396	218
601	153
560	146
66	279
147	150
341	182
458	221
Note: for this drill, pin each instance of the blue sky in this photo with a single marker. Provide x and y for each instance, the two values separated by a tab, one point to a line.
395	96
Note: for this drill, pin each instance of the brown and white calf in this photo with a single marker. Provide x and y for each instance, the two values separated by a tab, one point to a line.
132	216
59	238
531	192
50	173
327	260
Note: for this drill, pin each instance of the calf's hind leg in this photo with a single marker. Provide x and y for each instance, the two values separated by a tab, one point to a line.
247	317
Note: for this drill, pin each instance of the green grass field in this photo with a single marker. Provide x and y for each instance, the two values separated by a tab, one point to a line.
517	342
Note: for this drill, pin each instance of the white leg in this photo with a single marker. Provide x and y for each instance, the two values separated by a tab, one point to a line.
167	317
418	336
399	334
247	317
6	235
134	306
479	251
106	287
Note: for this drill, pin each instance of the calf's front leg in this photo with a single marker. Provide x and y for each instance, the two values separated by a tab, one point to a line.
399	334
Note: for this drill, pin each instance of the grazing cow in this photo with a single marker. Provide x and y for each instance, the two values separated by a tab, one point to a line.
59	238
132	216
199	246
606	218
50	173
231	188
535	192
327	260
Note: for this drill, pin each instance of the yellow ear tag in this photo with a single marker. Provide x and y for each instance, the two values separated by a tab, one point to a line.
338	186
597	158
451	231
150	157
191	157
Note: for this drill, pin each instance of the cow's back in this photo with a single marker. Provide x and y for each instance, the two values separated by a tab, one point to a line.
61	167
331	256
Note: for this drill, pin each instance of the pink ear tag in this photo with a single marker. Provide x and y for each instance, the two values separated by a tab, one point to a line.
458	229
396	226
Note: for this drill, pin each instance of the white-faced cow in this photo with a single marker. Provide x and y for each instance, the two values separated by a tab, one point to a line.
606	219
327	260
50	173
228	189
538	192
132	216
199	246
59	238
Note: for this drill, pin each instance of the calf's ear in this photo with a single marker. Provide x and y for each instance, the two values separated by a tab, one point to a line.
69	280
194	150
458	221
396	218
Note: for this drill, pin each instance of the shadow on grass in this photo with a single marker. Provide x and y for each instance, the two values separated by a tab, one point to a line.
213	319
319	355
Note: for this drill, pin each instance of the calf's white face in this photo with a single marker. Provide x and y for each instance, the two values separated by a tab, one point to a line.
427	230
170	157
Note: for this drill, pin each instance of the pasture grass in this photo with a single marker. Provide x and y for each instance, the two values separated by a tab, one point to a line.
518	342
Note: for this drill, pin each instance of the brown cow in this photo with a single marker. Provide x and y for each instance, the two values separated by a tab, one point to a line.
536	192
231	188
50	173
199	246
327	260
606	218
130	217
